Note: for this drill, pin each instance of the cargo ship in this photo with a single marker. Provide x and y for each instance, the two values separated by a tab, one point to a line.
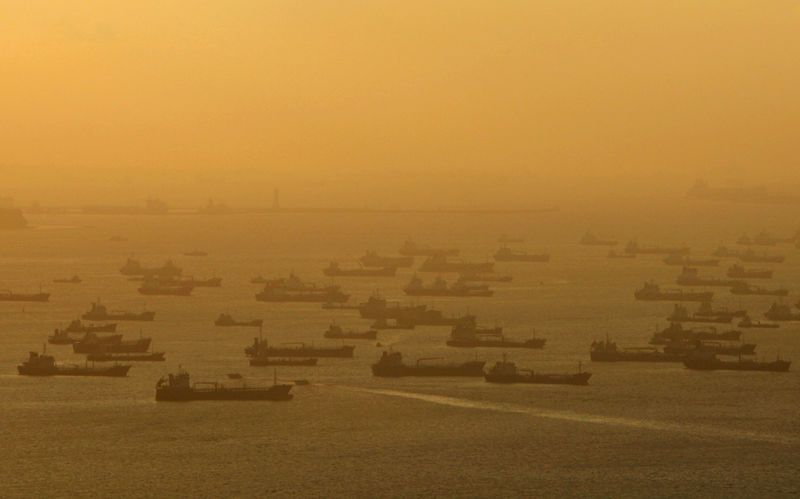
781	312
7	295
676	332
469	336
126	357
687	261
391	365
92	344
336	332
508	372
177	388
45	365
690	276
134	268
751	256
260	348
749	289
416	287
747	322
72	280
633	248
506	254
226	320
441	264
156	288
483	277
681	314
739	272
99	312
607	351
333	270
76	326
263	361
652	292
709	362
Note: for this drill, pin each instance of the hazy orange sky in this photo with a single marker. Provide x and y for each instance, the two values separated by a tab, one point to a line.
390	103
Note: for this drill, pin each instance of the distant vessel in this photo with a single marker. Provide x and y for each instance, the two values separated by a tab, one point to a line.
634	248
91	343
336	332
739	272
676	333
762	239
690	276
333	270
8	295
750	256
722	251
339	306
508	372
681	314
590	239
295	290
607	351
506	254
260	348
506	239
652	292
705	309
467	335
196	253
406	316
157	288
748	289
410	248
176	388
99	312
391	365
226	320
125	357
482	277
63	337
781	312
749	323
134	267
373	259
709	362
441	264
614	254
679	259
76	326
416	287
72	280
715	347
272	361
384	323
45	365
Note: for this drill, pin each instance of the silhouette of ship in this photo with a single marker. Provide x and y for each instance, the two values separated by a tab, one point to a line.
99	312
45	365
390	365
157	288
723	251
415	287
685	260
333	270
762	239
690	276
410	248
739	272
373	259
681	314
482	277
710	362
590	239
468	335
134	268
91	343
7	295
76	326
781	312
72	280
675	332
177	388
260	348
439	263
506	254
747	322
607	351
336	332
743	288
751	256
652	292
633	248
295	290
63	337
226	320
125	357
508	372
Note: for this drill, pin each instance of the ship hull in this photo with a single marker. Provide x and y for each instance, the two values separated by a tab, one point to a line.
635	357
267	361
535	378
38	297
273	393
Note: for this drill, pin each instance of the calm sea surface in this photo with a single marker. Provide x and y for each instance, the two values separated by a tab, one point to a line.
638	430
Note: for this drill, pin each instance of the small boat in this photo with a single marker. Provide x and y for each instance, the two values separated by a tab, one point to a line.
11	296
226	320
262	361
125	357
508	372
72	280
177	388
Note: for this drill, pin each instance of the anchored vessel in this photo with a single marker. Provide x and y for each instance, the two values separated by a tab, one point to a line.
333	270
739	272
690	276
614	254
506	254
134	267
415	287
45	365
336	332
63	337
467	335
99	312
749	289
676	332
508	372
680	259
8	295
681	314
294	290
709	362
781	312
750	256
391	365
478	277
226	320
440	263
72	280
126	357
747	322
607	351
272	361
77	326
176	388
634	248
652	292
92	344
260	348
